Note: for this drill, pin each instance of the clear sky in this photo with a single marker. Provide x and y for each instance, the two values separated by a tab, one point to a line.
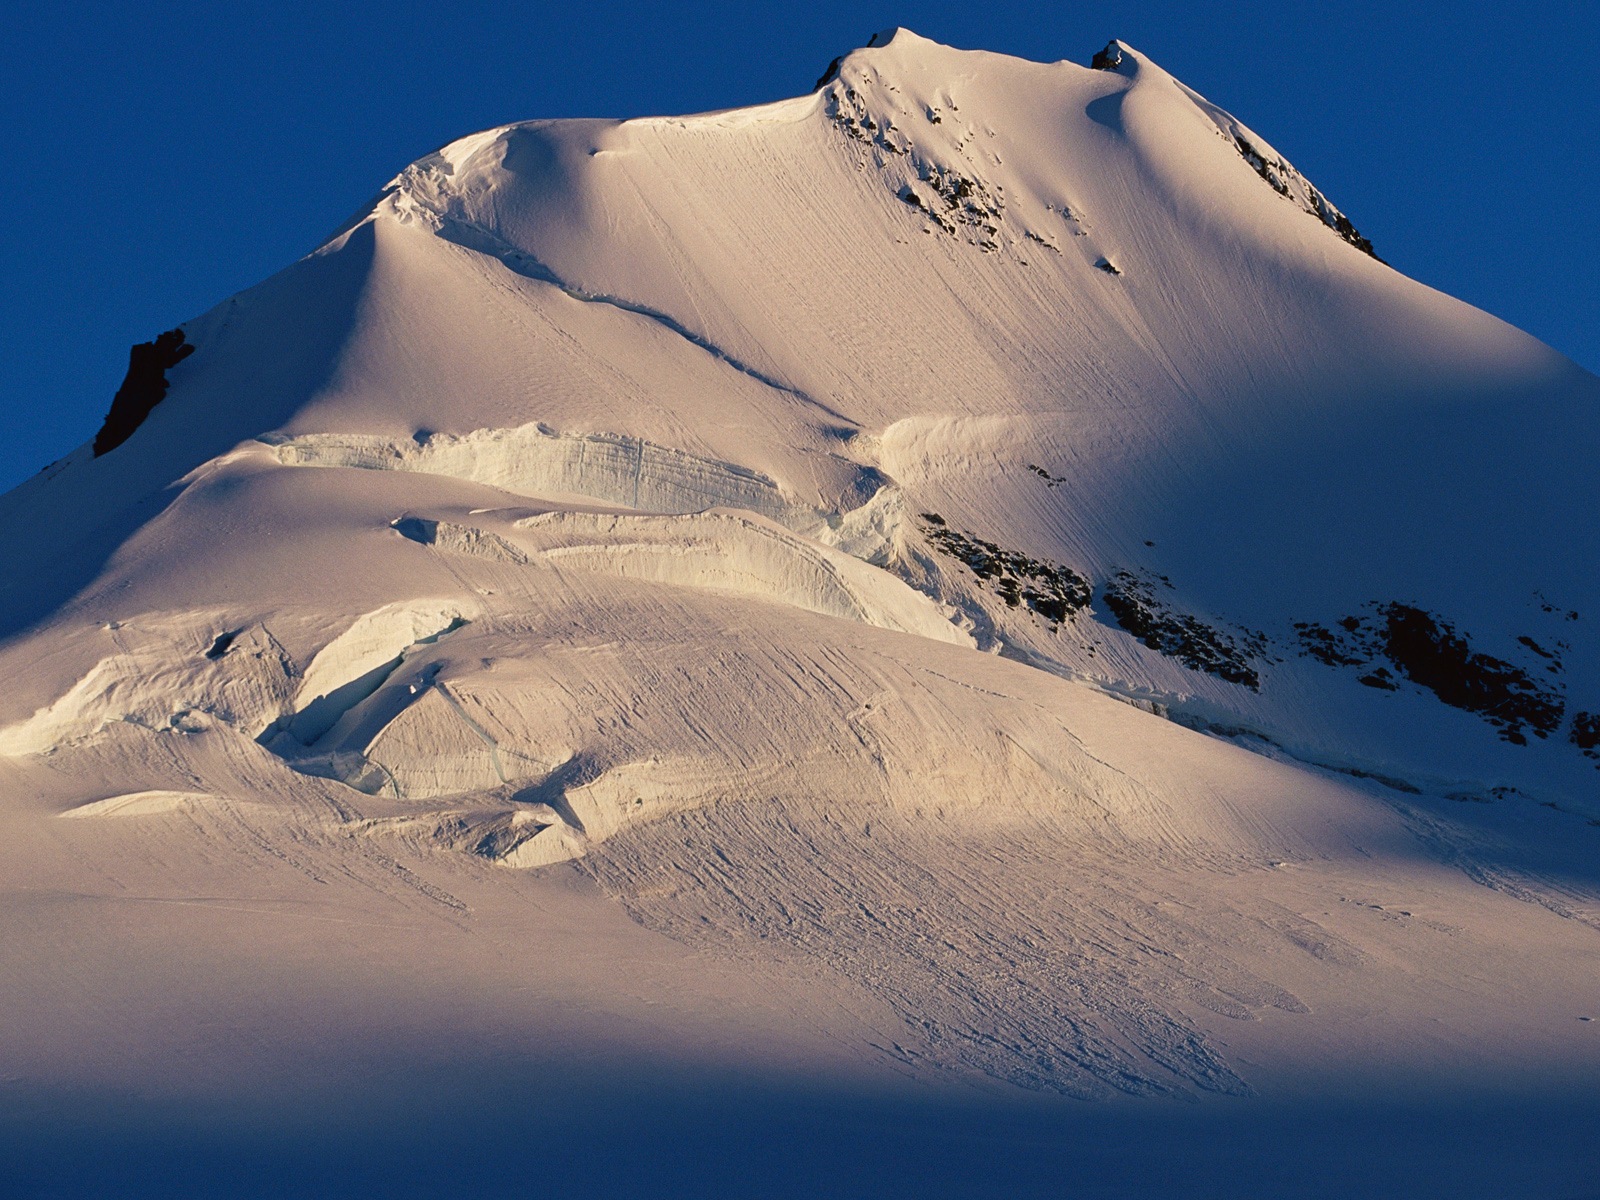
164	156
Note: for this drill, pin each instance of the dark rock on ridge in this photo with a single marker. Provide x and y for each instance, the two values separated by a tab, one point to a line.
1108	59
1276	172
829	75
144	387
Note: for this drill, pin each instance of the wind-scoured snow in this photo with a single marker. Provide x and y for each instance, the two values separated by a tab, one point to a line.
137	804
534	461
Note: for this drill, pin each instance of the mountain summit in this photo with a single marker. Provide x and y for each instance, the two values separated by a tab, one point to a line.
801	518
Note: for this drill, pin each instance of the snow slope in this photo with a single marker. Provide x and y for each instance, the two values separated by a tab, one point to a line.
765	511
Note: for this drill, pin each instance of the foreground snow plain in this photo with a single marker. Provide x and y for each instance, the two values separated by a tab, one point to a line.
866	643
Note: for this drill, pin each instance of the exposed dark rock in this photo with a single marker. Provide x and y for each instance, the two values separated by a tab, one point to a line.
1538	649
1277	174
959	204
1108	59
1341	225
827	76
1427	651
848	111
417	529
1270	169
1546	606
1049	479
968	203
1585	733
1179	635
1109	267
1325	646
1053	591
144	387
222	644
1381	679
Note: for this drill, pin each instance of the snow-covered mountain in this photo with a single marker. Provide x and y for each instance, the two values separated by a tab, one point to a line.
765	510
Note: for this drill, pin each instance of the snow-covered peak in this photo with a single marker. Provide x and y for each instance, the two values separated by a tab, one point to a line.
1095	325
649	492
896	40
1115	57
898	37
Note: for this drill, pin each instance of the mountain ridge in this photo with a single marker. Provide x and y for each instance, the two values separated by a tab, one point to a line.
727	512
523	197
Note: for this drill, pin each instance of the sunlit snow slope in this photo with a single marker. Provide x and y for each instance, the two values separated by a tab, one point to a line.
657	494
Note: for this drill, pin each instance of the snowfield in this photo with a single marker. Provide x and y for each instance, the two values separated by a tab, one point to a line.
972	595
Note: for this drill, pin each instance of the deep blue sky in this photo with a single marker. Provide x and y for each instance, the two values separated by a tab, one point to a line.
164	156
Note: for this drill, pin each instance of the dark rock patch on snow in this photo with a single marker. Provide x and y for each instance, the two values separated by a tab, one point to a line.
1433	655
1132	601
144	387
417	529
1108	59
1053	591
1536	648
1380	678
1585	734
960	202
848	110
1546	607
1278	175
1425	649
222	644
1325	646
